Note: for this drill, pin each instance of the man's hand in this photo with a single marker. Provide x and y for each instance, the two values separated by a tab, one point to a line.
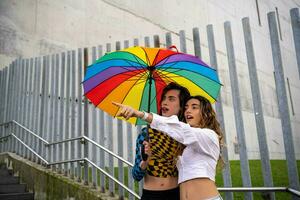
127	111
147	146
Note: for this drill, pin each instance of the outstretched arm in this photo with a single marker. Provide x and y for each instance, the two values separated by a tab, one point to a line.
127	112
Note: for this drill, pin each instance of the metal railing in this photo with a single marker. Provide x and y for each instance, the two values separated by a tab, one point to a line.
82	160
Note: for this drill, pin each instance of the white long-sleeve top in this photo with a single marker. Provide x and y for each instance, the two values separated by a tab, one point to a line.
199	158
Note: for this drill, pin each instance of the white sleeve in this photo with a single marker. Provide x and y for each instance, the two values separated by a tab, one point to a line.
200	139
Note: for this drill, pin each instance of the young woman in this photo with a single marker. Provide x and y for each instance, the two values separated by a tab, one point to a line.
159	170
202	137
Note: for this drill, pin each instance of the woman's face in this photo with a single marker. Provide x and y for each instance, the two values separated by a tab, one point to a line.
170	104
192	112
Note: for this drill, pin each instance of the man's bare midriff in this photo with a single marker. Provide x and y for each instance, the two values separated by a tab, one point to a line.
197	189
157	183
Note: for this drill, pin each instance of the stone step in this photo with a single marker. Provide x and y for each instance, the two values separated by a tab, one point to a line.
6	172
17	196
12	188
9	180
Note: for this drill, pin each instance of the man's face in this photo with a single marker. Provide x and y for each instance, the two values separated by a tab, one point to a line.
170	104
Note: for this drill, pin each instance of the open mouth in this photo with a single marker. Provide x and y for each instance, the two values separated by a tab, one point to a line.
188	117
164	109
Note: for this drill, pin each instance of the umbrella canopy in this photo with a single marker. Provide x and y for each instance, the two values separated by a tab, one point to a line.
136	76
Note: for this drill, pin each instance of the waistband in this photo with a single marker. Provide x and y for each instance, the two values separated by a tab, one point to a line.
218	197
161	192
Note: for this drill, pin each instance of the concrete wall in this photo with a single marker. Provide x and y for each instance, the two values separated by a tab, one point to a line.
32	28
49	185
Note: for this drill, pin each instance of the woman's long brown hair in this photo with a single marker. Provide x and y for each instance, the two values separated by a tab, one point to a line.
209	120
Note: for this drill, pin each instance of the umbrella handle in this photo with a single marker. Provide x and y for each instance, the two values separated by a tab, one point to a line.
144	155
173	47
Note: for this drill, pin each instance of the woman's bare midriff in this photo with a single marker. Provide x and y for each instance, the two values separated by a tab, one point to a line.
197	189
158	183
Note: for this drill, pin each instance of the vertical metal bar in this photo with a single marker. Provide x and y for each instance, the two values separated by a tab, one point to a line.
295	21
101	136
110	143
52	117
79	118
156	41
16	146
62	108
36	102
86	122
126	43
2	108
135	42
67	113
182	41
219	109
42	110
100	158
130	159
46	108
5	102
2	97
147	41
25	107
283	104
56	133
7	94
73	110
129	141
237	110
257	104
258	13
168	39
11	104
93	132
19	100
5	117
290	95
278	22
30	108
43	113
197	44
120	146
50	124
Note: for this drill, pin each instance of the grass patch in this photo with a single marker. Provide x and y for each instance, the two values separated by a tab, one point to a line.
279	174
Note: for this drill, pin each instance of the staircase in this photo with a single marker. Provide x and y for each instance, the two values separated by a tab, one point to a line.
10	187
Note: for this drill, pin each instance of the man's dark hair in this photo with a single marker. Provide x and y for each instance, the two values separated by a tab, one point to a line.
184	94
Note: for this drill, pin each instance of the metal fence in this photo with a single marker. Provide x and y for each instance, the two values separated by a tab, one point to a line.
45	117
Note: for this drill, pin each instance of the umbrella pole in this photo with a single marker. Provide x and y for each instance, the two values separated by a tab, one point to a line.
145	156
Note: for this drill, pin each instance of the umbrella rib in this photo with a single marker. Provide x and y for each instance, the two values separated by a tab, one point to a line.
128	90
146	56
199	87
170	67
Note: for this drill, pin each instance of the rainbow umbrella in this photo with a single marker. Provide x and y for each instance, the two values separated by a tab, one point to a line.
136	76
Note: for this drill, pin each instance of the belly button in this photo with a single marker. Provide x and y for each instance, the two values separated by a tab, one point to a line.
162	184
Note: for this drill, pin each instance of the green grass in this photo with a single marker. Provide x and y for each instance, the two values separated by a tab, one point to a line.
279	173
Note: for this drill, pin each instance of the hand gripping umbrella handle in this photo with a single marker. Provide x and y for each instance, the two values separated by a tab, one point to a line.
144	155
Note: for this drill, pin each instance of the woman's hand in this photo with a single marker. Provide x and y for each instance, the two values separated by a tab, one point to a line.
144	164
127	111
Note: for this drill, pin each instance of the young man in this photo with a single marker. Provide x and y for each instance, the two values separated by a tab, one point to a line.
159	170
